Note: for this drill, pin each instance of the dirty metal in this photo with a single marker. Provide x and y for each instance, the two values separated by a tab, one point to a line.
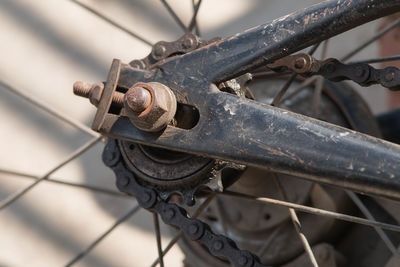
270	223
334	70
236	129
175	215
243	131
107	95
300	63
263	44
138	99
163	50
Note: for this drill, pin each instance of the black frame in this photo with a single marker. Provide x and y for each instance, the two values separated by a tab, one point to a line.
248	132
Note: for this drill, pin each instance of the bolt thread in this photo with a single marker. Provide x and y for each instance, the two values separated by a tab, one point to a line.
82	89
118	99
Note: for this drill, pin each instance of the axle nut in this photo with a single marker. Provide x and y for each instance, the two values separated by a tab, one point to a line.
150	106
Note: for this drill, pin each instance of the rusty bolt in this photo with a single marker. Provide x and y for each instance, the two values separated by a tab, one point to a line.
82	89
94	93
150	106
138	99
300	63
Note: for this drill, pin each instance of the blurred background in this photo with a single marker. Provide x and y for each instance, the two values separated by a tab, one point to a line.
45	46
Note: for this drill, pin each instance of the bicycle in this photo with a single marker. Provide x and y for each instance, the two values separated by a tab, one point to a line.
121	156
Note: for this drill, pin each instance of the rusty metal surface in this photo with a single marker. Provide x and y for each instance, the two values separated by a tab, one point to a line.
158	113
251	133
334	70
165	168
300	63
243	131
95	91
106	98
265	228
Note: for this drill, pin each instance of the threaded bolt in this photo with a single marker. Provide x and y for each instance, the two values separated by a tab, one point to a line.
118	99
82	89
94	93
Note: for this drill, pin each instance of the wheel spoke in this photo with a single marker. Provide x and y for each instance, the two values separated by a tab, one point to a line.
269	240
57	181
278	97
33	100
174	16
314	48
194	17
316	211
369	216
304	85
282	92
269	74
158	238
377	60
9	200
297	224
180	232
371	40
110	21
319	83
197	29
220	211
129	214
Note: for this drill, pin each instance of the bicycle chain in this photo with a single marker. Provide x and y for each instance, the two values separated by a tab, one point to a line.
162	50
155	200
174	215
334	70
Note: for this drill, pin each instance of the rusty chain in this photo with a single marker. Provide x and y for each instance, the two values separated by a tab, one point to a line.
334	70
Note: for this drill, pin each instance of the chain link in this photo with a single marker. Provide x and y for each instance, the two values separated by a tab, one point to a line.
334	70
174	215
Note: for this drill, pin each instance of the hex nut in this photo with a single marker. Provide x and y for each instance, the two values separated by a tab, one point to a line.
159	113
95	93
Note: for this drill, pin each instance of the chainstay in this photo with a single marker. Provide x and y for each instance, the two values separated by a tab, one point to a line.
174	215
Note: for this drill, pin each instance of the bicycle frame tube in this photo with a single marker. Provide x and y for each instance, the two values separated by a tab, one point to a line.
243	52
252	133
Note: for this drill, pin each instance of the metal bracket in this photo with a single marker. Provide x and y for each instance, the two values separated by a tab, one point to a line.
106	98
